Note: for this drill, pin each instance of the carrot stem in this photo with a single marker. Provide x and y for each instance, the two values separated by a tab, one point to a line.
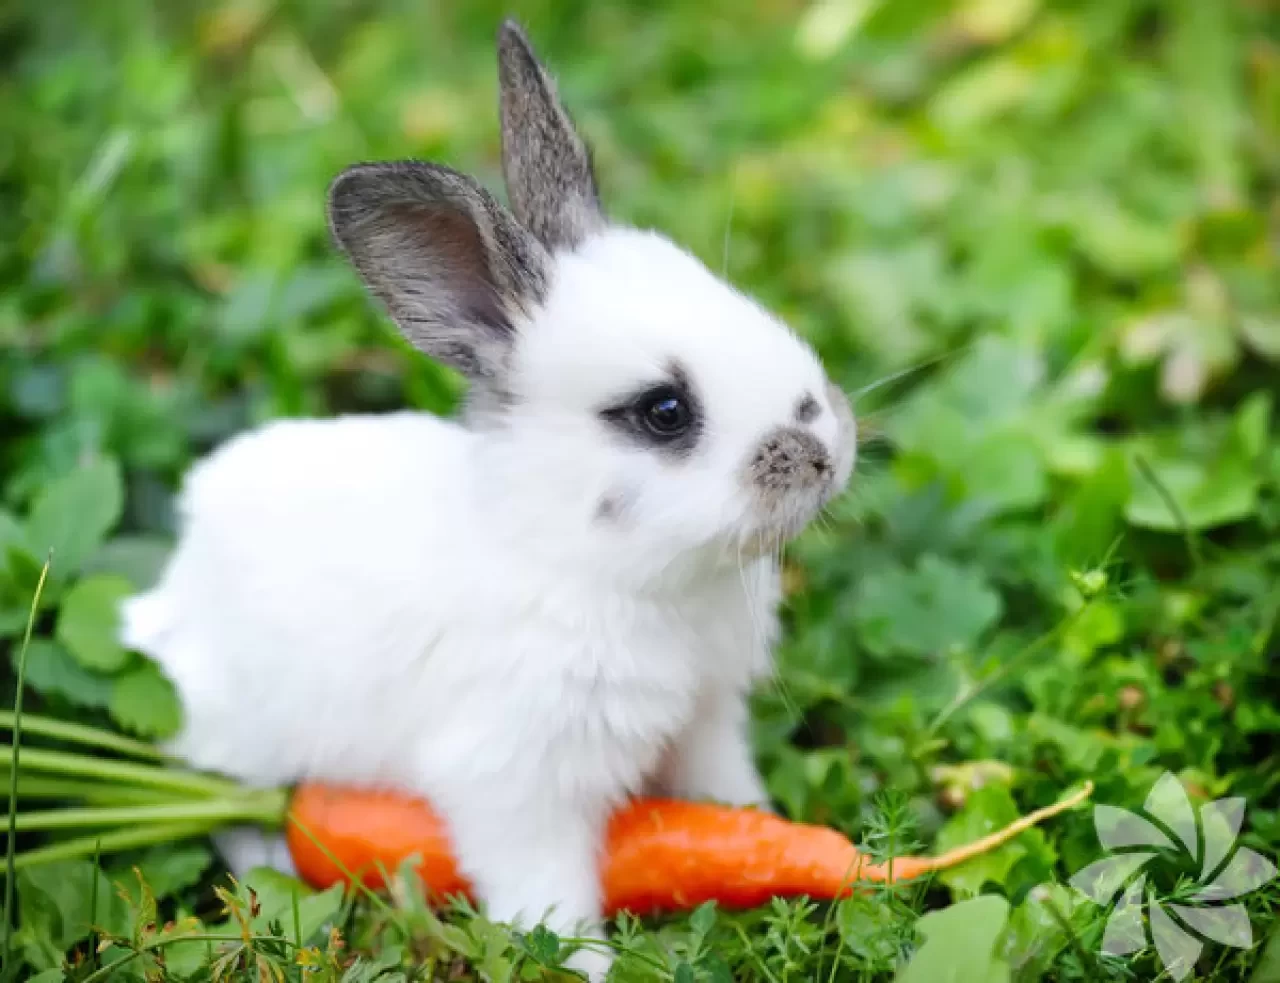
124	839
94	793
148	776
260	808
74	733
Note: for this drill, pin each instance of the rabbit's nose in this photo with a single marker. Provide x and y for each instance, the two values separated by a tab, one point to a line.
788	460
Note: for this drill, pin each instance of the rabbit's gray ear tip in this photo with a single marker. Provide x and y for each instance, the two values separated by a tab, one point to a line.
340	185
350	178
511	32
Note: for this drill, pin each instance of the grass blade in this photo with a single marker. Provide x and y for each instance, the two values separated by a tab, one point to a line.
5	964
93	901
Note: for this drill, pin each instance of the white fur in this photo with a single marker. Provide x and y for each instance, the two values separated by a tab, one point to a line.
400	601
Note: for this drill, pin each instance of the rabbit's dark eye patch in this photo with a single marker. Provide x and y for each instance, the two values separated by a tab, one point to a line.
665	416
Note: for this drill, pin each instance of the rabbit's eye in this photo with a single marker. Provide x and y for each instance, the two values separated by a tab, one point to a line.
665	413
665	416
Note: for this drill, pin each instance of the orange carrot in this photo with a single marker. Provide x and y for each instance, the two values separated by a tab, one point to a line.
659	854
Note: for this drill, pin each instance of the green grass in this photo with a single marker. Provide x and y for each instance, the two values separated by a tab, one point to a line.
1035	237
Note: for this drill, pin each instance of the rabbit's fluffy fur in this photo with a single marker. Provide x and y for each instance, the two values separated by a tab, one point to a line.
528	614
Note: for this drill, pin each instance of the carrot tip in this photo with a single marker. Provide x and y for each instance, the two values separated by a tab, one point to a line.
953	858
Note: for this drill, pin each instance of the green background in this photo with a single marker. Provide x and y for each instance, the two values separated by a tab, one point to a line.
1037	241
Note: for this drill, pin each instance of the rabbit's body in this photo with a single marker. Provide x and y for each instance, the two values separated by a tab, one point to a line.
354	550
555	602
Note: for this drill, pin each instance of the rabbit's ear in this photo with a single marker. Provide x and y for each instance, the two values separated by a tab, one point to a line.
451	265
550	178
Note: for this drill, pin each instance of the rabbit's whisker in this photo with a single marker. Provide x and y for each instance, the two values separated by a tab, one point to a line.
906	371
728	229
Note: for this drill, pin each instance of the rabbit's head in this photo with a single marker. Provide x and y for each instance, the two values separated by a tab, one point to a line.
628	400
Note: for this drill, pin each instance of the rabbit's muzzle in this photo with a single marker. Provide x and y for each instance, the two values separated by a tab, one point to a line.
789	461
789	477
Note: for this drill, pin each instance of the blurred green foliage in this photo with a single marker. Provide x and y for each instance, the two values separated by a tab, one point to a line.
1036	239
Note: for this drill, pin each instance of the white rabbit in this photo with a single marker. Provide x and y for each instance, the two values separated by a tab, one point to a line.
558	601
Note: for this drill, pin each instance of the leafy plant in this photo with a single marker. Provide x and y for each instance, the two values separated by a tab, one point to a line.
1034	238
